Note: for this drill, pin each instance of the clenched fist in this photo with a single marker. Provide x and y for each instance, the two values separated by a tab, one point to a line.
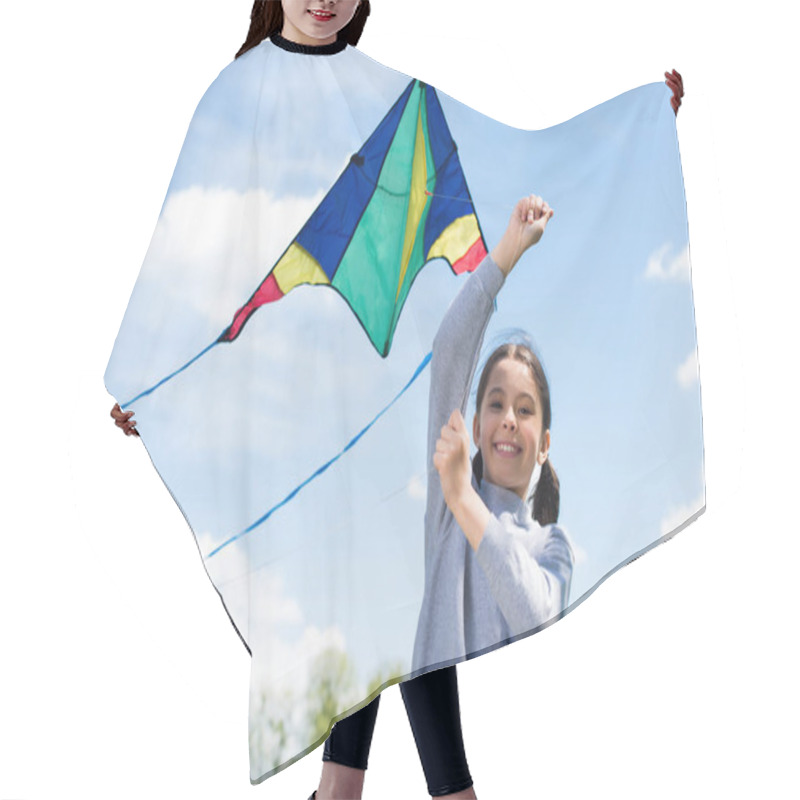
451	458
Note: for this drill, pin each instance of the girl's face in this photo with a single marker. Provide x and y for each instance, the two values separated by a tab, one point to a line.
508	429
316	22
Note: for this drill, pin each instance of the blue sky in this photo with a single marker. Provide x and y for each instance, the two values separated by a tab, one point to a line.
606	297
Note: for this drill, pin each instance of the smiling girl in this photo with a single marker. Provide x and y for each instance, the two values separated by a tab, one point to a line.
493	570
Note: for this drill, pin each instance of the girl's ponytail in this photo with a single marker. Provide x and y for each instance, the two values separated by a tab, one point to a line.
477	467
547	497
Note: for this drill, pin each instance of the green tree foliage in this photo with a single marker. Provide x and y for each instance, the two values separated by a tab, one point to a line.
268	734
388	672
331	688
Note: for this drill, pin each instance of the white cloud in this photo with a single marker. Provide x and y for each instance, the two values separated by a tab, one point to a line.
212	247
279	701
416	488
284	647
662	266
259	605
688	373
581	555
210	250
677	515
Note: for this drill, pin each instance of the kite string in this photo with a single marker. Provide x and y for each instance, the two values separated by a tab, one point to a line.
171	375
264	517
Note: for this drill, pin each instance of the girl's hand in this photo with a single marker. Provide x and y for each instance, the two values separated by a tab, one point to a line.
451	459
123	420
525	228
675	82
529	219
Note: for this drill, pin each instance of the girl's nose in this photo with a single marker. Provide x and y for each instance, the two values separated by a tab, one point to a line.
510	421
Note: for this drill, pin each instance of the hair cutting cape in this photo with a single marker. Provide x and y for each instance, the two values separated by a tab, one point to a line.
324	214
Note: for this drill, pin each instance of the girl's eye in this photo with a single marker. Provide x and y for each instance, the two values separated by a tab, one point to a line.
495	404
525	411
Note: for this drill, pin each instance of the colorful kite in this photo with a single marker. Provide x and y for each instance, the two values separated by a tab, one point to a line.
400	202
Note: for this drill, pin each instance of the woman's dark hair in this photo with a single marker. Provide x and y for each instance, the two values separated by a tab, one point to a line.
266	18
546	498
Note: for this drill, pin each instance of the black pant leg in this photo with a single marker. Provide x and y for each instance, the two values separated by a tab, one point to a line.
435	716
351	737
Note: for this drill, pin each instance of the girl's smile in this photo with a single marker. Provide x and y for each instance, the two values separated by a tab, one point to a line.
321	15
507	449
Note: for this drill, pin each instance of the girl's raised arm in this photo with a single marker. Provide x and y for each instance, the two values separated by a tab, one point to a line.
456	348
526	226
455	356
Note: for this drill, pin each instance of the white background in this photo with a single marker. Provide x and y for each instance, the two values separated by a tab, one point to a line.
120	675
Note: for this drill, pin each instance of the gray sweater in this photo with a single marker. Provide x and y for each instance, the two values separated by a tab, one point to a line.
519	577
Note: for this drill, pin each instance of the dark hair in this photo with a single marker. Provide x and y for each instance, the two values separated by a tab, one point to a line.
266	18
546	498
